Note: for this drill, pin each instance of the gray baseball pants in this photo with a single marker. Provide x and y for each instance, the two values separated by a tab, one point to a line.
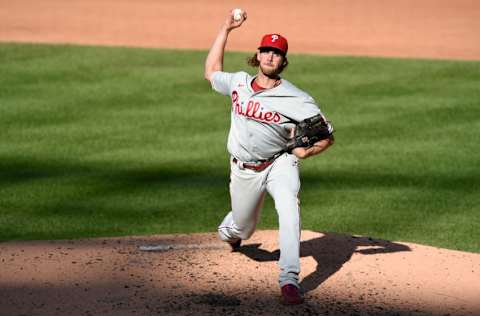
247	191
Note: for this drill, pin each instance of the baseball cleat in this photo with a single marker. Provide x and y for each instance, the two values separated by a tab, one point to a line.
291	295
235	245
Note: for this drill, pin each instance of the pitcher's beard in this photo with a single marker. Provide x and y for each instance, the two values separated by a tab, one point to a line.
269	72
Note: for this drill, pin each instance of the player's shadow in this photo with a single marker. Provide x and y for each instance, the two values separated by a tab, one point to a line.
330	252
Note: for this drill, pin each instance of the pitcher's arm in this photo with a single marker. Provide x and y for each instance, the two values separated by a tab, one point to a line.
214	60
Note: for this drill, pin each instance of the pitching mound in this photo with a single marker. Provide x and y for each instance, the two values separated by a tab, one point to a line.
198	275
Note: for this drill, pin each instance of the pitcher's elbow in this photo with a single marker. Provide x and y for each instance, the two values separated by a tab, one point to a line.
207	75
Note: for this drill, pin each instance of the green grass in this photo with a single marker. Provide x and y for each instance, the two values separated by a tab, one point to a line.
119	141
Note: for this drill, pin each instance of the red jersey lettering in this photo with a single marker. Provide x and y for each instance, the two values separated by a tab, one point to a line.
254	111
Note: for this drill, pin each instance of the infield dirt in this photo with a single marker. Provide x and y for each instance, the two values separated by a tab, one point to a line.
341	275
406	28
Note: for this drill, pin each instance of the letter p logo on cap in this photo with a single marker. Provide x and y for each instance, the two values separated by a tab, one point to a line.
275	41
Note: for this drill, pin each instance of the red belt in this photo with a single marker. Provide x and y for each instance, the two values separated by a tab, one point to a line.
256	167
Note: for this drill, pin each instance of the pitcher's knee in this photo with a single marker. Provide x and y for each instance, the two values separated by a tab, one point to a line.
229	233
224	235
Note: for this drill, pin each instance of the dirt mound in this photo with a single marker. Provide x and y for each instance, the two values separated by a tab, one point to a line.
197	275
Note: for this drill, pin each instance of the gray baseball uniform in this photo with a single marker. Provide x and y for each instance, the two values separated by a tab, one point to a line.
260	128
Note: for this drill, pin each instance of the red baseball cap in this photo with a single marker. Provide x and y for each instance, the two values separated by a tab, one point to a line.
276	41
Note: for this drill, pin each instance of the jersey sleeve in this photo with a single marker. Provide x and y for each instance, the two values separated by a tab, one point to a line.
221	82
310	107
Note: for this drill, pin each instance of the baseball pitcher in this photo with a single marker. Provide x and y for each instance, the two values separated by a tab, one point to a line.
273	125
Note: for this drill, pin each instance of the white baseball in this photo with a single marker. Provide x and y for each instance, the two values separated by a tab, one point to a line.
237	14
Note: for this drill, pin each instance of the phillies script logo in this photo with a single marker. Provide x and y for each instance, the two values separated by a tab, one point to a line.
253	111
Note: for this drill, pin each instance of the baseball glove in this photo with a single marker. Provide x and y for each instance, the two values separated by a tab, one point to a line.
310	131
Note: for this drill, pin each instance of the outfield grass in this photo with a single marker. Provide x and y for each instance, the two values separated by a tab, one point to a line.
119	141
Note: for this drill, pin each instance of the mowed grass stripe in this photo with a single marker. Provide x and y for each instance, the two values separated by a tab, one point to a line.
98	141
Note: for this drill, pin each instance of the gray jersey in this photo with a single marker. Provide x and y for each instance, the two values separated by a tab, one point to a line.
261	121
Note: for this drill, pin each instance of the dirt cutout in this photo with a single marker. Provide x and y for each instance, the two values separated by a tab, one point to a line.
197	274
406	28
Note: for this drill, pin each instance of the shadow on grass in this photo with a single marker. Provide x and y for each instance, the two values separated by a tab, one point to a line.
49	199
119	199
15	171
330	251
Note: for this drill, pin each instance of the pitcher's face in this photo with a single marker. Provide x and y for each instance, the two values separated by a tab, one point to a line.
270	60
